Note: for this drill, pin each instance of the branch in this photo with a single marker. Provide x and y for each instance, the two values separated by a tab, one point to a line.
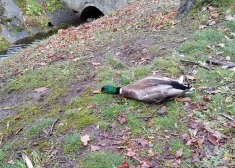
217	62
196	63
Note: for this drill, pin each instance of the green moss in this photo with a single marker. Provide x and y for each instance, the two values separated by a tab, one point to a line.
17	28
43	144
4	45
21	3
0	28
30	111
102	160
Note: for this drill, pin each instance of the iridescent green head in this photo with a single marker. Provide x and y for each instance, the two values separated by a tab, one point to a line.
110	89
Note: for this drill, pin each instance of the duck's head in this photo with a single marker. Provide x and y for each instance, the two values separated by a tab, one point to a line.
109	90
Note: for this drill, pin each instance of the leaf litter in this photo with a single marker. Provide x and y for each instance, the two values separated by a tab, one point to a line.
199	134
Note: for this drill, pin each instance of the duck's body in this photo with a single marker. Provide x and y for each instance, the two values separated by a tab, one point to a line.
151	89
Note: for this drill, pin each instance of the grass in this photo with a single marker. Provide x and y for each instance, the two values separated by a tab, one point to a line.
37	129
102	160
84	109
72	143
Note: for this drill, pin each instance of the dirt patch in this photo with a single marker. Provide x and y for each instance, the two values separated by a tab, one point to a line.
141	49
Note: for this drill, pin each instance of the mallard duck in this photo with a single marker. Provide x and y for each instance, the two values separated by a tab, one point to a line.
150	89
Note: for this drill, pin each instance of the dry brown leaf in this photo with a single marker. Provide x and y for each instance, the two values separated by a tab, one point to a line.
11	162
122	119
142	141
96	63
94	148
195	157
207	98
40	90
18	117
213	139
184	99
200	142
42	63
130	153
124	164
179	153
85	139
145	165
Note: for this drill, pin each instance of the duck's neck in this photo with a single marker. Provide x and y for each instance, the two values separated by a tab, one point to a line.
119	90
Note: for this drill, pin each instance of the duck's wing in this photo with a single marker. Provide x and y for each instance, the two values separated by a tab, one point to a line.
153	89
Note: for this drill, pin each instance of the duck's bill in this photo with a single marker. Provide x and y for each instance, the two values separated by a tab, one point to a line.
97	91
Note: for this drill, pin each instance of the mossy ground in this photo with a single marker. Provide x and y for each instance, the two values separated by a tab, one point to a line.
70	99
4	45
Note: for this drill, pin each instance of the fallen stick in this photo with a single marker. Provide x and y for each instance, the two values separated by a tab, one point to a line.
227	116
196	63
8	108
52	127
26	160
217	62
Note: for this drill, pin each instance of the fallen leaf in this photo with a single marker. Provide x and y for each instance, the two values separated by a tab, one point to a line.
42	63
202	27
184	99
145	165
11	162
195	157
211	22
18	117
130	153
122	119
85	139
200	142
124	164
40	90
179	153
190	77
194	124
96	63
207	98
142	141
94	148
228	99
162	110
213	139
214	15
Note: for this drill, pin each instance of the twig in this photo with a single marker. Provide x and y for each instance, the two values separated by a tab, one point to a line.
217	62
8	108
114	138
52	127
227	116
196	63
135	158
26	160
145	117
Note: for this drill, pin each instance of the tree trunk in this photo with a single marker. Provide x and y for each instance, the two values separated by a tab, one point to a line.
185	7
